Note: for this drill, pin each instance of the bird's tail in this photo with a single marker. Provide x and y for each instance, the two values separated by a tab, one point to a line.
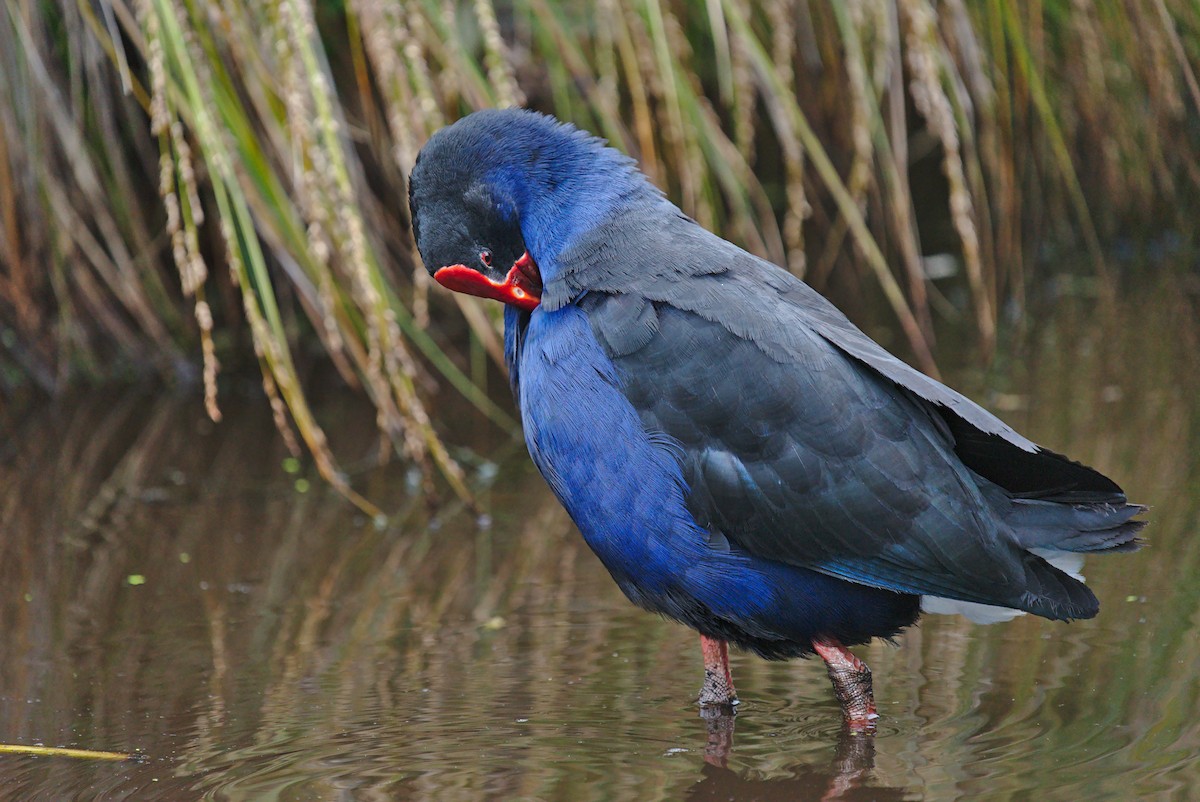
1077	527
1054	535
1054	532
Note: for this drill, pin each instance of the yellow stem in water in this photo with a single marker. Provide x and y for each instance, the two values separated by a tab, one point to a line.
55	751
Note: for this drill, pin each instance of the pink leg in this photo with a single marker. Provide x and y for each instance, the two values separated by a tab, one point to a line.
718	681
851	682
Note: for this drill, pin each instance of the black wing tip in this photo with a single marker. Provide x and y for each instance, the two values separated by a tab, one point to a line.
1081	604
1053	594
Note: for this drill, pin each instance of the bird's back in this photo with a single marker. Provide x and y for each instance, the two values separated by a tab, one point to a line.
803	442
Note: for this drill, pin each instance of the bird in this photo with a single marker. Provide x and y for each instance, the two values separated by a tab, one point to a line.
739	456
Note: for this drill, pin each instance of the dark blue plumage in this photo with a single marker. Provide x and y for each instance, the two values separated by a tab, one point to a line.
737	453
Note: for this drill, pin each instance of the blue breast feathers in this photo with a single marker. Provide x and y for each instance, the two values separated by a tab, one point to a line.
625	493
625	490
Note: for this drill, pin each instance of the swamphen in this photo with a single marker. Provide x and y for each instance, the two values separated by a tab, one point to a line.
738	455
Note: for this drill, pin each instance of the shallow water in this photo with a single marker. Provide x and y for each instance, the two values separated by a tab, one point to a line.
166	588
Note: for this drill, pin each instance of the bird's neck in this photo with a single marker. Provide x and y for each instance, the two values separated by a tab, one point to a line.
571	187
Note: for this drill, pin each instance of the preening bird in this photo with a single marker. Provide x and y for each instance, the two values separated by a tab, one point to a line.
740	456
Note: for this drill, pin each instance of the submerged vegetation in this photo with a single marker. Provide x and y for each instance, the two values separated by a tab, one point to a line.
182	181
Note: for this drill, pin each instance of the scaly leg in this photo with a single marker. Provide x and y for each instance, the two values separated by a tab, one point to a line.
718	681
851	682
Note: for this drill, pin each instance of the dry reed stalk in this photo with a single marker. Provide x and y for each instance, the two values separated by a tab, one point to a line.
997	137
743	100
245	256
1028	61
67	195
640	89
500	73
975	100
1178	51
185	213
390	367
772	88
859	178
890	148
781	15
661	62
923	56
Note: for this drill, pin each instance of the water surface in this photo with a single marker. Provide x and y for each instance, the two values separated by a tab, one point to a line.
167	588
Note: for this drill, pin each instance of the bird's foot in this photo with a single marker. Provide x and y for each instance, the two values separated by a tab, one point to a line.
717	692
717	696
851	683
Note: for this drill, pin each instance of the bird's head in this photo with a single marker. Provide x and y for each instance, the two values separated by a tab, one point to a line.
496	196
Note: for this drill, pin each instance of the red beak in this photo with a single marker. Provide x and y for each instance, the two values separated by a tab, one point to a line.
522	287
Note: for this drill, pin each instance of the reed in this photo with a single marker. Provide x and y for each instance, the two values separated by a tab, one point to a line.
185	183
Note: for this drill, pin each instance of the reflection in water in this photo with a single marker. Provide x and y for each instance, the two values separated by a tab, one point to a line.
846	777
719	721
165	587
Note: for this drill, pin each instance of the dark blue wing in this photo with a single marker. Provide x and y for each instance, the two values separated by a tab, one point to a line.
803	441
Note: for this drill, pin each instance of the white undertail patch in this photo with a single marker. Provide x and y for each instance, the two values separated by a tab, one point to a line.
1069	562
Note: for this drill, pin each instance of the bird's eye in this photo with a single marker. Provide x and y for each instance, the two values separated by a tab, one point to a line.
486	258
